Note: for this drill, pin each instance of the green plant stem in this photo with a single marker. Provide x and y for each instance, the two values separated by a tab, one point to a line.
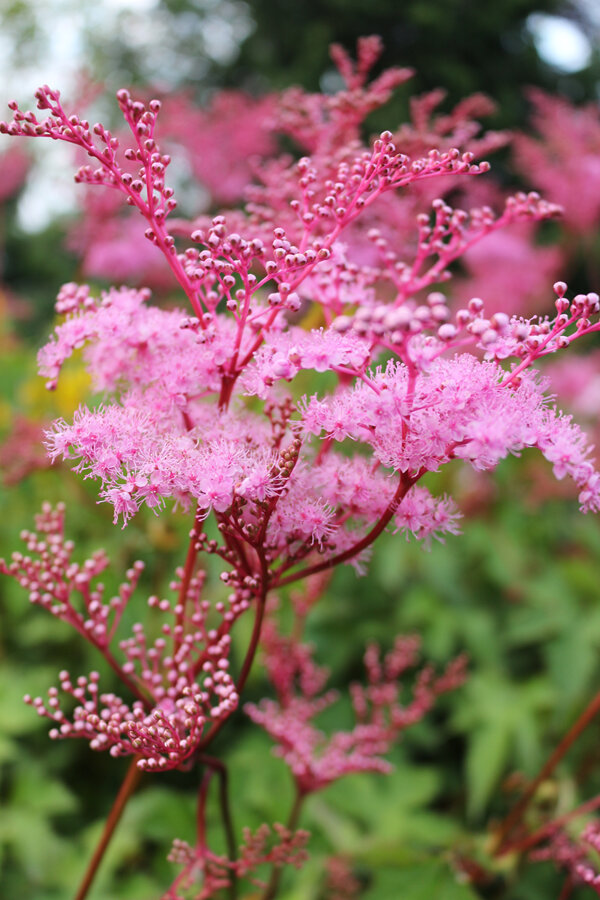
127	788
516	814
273	885
221	770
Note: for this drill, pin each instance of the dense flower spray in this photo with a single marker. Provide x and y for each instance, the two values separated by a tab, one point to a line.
200	409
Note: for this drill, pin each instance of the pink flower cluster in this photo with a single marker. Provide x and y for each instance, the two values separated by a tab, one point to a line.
180	680
574	856
315	760
277	846
175	424
14	165
319	374
563	158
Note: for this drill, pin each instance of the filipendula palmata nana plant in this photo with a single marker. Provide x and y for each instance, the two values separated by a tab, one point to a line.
199	410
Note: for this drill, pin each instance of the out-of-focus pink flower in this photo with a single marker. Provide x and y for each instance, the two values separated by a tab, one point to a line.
510	270
564	161
14	165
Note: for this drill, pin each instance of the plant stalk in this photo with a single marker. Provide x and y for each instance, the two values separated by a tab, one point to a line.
516	814
273	885
127	788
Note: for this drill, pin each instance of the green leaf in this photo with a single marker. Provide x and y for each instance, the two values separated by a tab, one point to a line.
486	758
425	881
34	789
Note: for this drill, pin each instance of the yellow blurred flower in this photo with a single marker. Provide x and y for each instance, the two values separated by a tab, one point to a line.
73	388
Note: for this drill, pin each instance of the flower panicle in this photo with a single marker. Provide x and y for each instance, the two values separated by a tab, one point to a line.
316	760
67	589
277	846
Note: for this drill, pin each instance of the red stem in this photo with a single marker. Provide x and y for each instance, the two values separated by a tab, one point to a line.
133	773
273	885
246	666
127	788
124	678
188	572
406	482
549	828
221	770
567	889
253	645
516	814
201	812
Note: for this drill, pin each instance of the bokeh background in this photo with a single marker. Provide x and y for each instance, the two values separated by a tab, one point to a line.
518	591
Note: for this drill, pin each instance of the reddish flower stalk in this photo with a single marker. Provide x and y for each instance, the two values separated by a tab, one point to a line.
292	823
516	814
532	840
127	788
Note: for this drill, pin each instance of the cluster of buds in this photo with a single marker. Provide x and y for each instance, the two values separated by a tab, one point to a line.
499	335
138	171
574	856
322	122
429	127
440	243
277	846
54	580
331	198
342	884
181	680
161	736
531	339
393	325
314	760
22	451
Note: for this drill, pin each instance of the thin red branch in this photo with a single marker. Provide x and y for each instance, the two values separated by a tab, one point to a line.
516	814
220	769
292	822
405	484
188	572
127	788
549	828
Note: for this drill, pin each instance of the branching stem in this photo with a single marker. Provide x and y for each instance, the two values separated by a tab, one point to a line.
516	814
532	840
292	822
405	484
220	769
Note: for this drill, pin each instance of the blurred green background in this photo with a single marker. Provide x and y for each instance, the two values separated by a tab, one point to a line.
518	590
